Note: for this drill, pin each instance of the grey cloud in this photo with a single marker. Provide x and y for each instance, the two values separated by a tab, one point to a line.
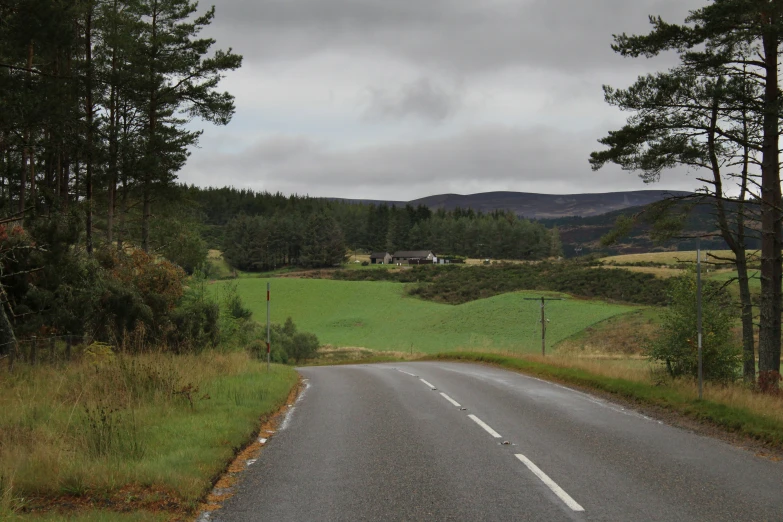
421	98
539	160
456	35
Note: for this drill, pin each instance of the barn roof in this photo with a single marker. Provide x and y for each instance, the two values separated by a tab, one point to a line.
379	255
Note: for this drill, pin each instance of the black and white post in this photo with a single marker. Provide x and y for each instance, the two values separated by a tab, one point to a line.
698	314
268	345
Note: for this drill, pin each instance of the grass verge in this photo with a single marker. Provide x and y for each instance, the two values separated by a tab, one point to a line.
146	434
737	411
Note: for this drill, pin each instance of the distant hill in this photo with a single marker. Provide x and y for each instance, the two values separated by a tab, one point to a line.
537	206
543	206
585	233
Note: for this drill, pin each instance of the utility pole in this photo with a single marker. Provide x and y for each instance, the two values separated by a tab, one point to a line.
268	345
698	315
543	318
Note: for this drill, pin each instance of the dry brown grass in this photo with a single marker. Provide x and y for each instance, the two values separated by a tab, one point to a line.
663	273
615	349
331	354
667	258
619	336
494	261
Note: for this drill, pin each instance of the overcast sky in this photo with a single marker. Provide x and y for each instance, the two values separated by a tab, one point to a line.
401	99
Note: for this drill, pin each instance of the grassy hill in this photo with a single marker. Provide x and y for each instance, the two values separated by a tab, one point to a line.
378	316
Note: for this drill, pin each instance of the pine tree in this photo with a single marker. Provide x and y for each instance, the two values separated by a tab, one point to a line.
556	245
179	81
323	244
740	39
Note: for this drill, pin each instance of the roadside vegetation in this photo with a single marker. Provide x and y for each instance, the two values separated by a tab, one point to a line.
455	284
147	432
734	409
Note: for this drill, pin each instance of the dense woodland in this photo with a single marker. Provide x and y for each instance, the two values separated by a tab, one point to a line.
99	105
259	231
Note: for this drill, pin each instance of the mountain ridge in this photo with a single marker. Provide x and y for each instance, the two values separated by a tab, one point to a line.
536	206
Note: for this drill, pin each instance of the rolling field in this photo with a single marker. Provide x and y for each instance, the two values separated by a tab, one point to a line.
378	316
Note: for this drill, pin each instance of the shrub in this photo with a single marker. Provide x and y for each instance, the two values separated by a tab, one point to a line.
303	345
677	345
195	326
287	344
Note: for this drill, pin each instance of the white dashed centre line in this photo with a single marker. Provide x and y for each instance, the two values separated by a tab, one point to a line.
452	401
428	384
406	373
557	490
485	426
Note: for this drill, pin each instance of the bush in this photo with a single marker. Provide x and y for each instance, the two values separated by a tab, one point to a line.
287	344
195	326
677	345
304	345
453	284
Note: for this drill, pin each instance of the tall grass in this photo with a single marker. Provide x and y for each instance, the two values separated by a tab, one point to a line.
152	421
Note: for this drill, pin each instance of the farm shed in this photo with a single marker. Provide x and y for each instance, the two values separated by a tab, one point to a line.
380	258
414	257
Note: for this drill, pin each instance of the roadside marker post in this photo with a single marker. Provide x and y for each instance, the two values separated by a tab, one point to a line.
543	318
268	345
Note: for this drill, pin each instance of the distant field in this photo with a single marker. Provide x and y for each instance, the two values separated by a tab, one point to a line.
668	258
218	267
656	271
754	283
377	315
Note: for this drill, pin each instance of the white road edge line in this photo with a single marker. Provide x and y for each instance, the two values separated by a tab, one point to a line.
557	490
428	384
452	401
485	426
406	373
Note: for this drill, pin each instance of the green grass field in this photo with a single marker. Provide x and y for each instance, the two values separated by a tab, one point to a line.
379	316
754	275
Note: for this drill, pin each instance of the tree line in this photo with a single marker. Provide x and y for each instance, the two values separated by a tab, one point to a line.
268	230
98	99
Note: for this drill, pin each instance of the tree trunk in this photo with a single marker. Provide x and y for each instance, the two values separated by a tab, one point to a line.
31	159
65	180
735	243
150	168
7	337
26	139
113	132
771	277
748	348
89	110
23	177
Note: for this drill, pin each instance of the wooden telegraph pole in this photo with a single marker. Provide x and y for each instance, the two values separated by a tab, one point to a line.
543	318
268	345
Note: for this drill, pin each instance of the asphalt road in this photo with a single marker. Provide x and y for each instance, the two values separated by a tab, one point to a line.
377	442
